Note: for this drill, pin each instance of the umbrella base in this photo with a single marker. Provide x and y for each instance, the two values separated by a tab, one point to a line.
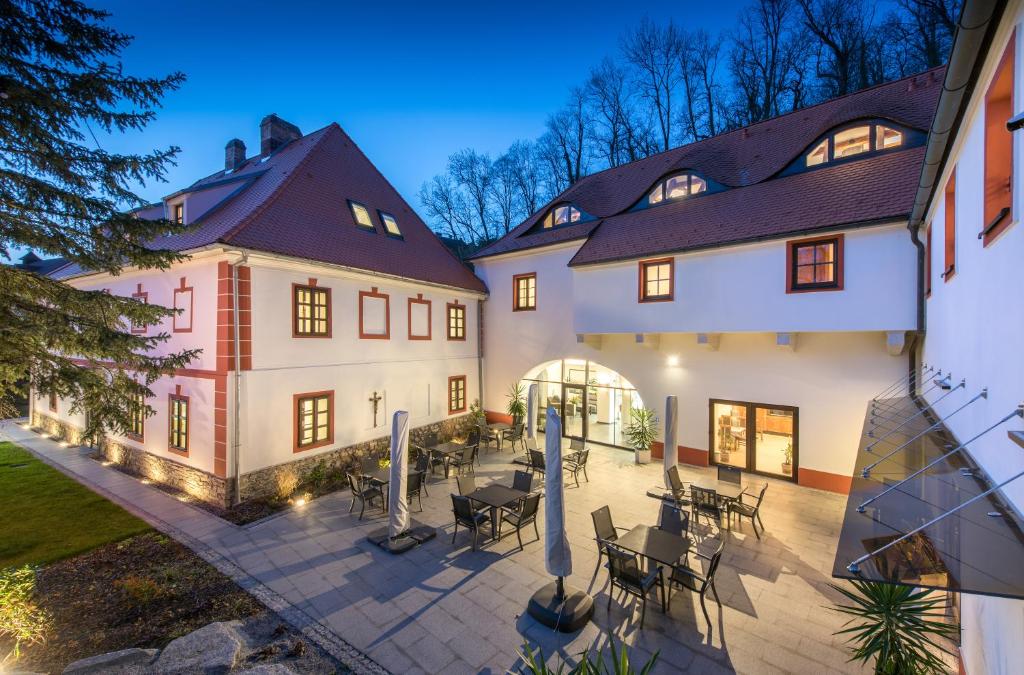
566	614
417	534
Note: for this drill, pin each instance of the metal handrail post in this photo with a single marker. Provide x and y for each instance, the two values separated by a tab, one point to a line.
890	432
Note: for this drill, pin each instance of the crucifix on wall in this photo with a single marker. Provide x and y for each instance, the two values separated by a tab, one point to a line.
375	400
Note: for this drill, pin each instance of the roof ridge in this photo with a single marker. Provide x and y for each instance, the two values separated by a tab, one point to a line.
755	124
296	170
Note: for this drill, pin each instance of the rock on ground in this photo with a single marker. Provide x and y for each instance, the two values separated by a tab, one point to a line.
211	650
124	662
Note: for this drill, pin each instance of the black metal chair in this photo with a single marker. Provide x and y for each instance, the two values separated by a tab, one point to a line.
577	463
705	502
744	510
473	441
678	486
364	492
369	465
487	436
522	480
576	446
673	519
514	434
625	574
684	576
730	474
463	460
414	488
466	484
537	461
524	514
423	466
605	531
467	517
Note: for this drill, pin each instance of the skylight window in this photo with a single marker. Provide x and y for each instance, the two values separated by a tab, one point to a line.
563	214
676	186
361	215
854	141
390	224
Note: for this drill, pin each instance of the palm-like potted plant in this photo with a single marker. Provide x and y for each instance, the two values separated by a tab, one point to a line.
898	626
787	464
516	407
642	432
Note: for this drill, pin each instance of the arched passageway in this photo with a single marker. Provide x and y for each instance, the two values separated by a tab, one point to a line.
594	401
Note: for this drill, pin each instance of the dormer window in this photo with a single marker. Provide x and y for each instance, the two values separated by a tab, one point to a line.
361	215
676	186
178	213
390	224
854	141
562	214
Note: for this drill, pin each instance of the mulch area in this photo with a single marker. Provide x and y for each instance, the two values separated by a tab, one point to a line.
141	592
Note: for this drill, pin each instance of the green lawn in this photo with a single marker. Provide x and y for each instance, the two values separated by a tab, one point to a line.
46	516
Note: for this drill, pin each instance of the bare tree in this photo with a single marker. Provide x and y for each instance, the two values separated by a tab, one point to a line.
654	51
619	135
447	208
760	60
704	104
841	29
564	146
524	159
504	194
920	34
471	171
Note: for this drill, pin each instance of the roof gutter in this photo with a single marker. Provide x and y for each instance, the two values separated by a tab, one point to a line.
975	29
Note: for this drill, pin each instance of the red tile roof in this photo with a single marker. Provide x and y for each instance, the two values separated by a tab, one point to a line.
295	203
747	160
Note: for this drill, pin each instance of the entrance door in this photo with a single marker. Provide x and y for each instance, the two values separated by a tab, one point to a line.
754	437
574	411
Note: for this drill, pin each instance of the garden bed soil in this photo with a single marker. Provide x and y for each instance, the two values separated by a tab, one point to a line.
142	592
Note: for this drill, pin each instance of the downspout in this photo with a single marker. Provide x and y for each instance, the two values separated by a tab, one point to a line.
236	435
480	353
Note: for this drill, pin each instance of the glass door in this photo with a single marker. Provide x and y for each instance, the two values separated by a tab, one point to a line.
755	437
574	411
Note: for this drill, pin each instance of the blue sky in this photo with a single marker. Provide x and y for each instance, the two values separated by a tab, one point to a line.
411	82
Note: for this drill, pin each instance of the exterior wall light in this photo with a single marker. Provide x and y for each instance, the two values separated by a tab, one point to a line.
672	361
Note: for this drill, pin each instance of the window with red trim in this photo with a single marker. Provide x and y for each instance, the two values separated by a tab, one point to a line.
456	394
374	315
999	148
137	418
456	324
182	322
419	318
178	423
314	420
311	311
815	264
53	401
524	292
142	297
949	196
656	280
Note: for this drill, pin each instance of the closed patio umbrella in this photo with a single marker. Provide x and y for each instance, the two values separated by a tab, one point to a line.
398	507
532	400
671	433
563	609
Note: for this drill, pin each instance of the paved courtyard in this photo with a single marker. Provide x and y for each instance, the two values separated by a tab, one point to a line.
444	608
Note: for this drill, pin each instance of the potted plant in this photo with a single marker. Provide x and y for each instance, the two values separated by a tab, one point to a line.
477	411
898	627
516	407
642	432
787	464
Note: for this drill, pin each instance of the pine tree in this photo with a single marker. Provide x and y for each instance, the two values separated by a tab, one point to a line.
61	194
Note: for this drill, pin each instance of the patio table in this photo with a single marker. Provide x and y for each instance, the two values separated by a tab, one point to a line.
382	477
446	450
726	490
496	496
662	547
499	426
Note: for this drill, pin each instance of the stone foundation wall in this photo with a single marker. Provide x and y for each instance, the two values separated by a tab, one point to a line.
199	484
283	479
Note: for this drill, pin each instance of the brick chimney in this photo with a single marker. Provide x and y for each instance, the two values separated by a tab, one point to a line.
275	133
234	154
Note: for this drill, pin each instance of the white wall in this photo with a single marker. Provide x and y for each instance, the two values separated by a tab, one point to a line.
408	374
830	376
743	288
975	329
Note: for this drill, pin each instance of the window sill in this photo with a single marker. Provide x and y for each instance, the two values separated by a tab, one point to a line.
813	289
178	451
313	446
667	298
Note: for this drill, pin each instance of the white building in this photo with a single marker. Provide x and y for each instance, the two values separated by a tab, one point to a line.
321	303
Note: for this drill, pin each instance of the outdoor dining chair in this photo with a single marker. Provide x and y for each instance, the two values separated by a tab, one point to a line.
744	510
576	446
522	480
678	486
514	434
369	465
730	474
487	436
673	519
524	514
364	493
473	441
625	574
686	577
605	532
537	461
704	501
467	517
414	488
466	484
463	460
423	466
577	463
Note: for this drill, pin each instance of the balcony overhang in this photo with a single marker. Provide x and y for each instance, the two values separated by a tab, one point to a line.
970	542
